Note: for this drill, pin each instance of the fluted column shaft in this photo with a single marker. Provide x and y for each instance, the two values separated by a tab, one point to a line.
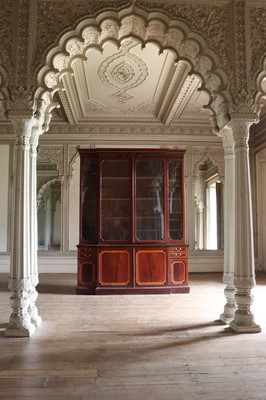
200	226
229	226
200	205
244	269
20	269
33	311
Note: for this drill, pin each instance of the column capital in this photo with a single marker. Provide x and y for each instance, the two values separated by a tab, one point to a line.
240	127
226	133
30	117
21	102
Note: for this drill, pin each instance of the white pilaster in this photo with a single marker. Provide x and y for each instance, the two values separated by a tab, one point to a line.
20	269
244	270
229	225
200	206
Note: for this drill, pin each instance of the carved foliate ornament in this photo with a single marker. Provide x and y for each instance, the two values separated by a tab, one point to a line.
173	38
18	284
240	131
21	101
7	42
98	128
56	17
201	155
155	31
189	49
74	47
50	80
209	20
55	154
109	29
61	61
73	154
132	25
258	37
90	35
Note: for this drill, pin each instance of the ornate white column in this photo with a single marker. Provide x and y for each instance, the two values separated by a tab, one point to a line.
229	225
33	311
244	270
200	226
20	269
65	203
29	119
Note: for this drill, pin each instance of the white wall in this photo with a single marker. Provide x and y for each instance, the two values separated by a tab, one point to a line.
4	167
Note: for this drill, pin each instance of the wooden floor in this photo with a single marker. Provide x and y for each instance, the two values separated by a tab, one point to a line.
153	347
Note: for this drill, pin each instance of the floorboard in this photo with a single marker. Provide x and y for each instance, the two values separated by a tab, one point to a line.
133	347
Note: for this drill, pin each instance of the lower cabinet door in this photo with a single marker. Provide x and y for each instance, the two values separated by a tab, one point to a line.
179	272
151	267
115	267
87	273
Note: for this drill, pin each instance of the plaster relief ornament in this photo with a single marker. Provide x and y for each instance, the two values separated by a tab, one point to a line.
190	49
173	38
61	61
50	80
109	28
21	100
123	71
74	47
155	31
90	35
132	25
204	65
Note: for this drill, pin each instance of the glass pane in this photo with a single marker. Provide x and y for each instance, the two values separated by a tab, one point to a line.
49	216
89	200
116	200
149	200
175	200
48	206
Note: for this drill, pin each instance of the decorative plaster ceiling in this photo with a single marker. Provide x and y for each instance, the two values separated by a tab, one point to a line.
131	84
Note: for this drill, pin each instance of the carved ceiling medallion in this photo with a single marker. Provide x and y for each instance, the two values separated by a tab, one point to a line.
123	71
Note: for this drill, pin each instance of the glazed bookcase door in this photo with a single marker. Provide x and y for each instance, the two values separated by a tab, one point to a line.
115	200
150	213
175	200
88	200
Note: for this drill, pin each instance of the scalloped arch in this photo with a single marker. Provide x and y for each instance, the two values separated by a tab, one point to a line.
217	161
156	28
41	195
4	92
261	83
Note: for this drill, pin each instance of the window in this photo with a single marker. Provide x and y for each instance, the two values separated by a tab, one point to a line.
208	209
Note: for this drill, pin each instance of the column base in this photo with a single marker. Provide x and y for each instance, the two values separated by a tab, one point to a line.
12	332
19	326
254	328
225	319
229	313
